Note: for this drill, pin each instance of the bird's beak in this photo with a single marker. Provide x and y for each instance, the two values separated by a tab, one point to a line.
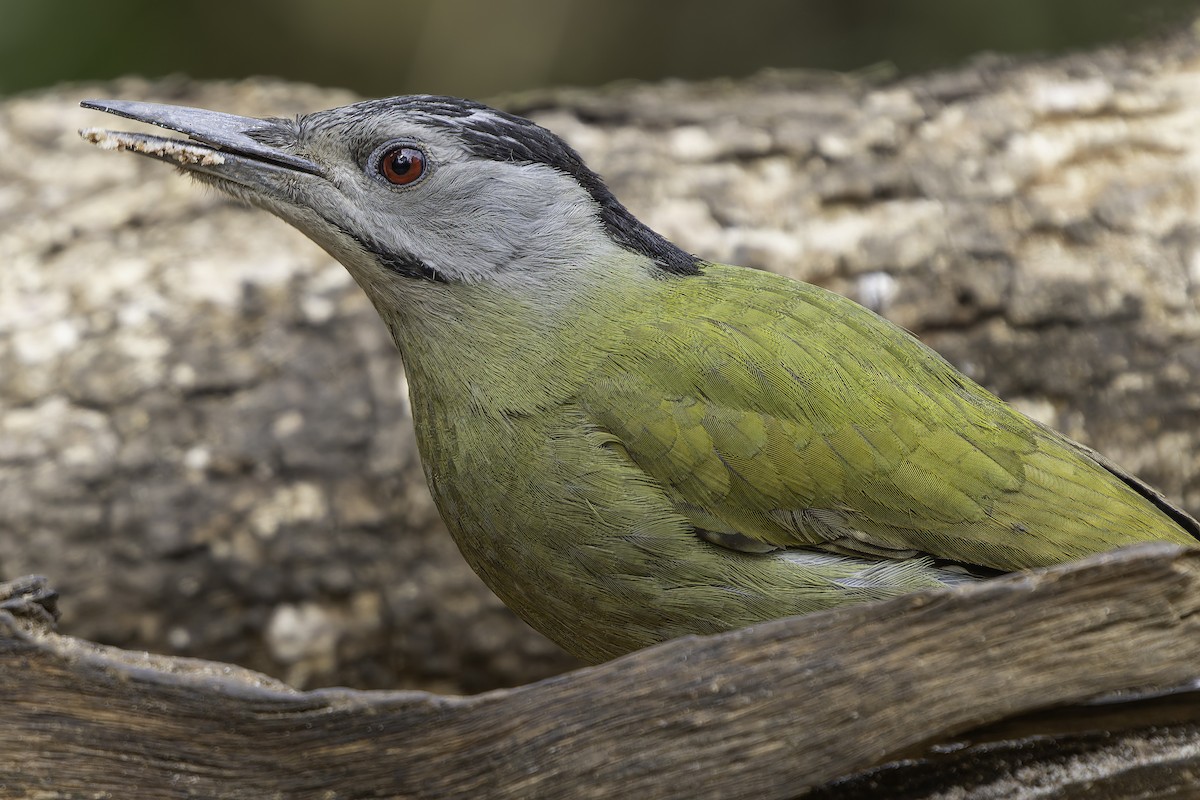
222	145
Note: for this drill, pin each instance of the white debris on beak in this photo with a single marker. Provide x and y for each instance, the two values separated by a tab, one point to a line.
153	146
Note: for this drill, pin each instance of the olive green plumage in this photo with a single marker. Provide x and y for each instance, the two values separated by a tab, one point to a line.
629	444
736	402
790	414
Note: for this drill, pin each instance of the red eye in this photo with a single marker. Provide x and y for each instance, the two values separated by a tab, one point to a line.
402	165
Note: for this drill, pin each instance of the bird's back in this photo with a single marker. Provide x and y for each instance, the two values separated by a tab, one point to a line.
782	412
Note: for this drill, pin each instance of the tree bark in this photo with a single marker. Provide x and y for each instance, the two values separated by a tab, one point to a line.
784	709
204	432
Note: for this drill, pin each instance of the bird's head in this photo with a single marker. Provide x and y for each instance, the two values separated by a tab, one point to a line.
412	190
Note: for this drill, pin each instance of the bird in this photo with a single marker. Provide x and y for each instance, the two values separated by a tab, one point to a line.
630	443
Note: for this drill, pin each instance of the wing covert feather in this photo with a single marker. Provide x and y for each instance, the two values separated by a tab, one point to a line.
792	415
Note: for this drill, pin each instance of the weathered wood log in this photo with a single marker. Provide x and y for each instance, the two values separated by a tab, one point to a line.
769	712
1137	747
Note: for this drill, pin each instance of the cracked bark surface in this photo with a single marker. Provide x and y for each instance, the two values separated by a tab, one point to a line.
858	702
204	434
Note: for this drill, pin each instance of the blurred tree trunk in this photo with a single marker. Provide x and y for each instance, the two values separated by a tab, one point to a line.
204	432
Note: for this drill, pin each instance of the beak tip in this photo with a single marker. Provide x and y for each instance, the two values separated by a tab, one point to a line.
214	133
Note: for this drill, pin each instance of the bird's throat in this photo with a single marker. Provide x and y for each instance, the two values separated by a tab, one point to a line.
495	350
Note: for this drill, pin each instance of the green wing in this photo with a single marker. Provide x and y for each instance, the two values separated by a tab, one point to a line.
792	416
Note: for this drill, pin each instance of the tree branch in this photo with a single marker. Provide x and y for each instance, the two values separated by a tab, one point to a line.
768	712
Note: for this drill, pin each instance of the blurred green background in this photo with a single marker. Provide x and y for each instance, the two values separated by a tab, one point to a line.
480	48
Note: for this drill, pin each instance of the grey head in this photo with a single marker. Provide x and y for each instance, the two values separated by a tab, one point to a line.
416	188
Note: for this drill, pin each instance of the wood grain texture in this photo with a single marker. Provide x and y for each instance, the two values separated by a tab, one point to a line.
769	712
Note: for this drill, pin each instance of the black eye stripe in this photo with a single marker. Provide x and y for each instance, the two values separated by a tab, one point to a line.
408	266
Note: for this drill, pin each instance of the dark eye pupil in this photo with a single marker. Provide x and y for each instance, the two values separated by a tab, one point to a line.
401	163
